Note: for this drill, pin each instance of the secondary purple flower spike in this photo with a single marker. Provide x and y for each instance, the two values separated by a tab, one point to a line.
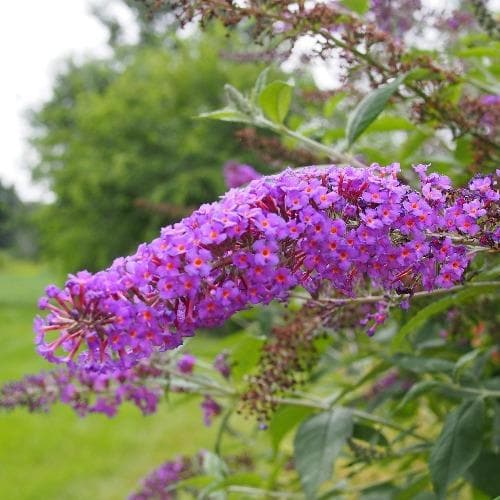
350	227
236	174
93	389
158	485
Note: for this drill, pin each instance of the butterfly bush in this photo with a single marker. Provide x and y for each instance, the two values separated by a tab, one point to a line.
344	228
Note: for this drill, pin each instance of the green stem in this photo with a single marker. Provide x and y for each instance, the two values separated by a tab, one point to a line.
485	393
200	381
220	432
258	492
377	298
313	145
357	413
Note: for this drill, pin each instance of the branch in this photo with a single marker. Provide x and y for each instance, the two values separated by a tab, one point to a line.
377	298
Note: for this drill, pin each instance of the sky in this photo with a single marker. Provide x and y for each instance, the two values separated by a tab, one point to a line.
35	36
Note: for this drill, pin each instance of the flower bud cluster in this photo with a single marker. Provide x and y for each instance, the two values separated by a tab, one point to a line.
348	227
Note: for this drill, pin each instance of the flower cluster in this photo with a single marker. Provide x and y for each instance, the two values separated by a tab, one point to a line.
160	484
95	389
348	227
395	17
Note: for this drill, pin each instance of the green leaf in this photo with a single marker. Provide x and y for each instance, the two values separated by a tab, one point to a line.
484	473
422	316
317	445
369	434
195	482
419	364
240	479
245	356
412	144
214	466
275	100
390	123
416	391
458	445
495	427
465	359
226	115
284	420
236	100
484	51
260	83
464	150
332	103
359	6
369	108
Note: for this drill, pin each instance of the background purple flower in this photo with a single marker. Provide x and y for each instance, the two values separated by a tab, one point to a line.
236	174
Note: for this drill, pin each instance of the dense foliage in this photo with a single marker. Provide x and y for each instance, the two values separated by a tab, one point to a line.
377	354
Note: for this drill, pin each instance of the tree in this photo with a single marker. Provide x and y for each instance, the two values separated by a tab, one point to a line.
122	130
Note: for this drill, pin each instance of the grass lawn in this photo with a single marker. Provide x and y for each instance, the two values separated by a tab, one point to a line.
61	456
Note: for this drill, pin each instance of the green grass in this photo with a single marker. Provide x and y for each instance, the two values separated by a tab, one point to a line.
61	456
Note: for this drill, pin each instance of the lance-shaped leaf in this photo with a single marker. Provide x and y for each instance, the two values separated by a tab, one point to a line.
369	108
420	318
317	445
458	445
358	6
226	115
284	420
275	100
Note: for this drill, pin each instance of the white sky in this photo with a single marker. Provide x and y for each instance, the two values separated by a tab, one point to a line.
34	36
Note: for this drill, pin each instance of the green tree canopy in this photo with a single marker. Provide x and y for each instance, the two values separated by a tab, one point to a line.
122	131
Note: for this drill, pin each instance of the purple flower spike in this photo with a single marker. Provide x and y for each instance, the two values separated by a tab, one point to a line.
349	227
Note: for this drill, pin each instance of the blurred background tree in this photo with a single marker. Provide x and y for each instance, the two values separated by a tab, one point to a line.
120	147
17	232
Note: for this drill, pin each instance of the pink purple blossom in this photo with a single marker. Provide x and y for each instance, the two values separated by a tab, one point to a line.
221	364
350	227
186	363
210	409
